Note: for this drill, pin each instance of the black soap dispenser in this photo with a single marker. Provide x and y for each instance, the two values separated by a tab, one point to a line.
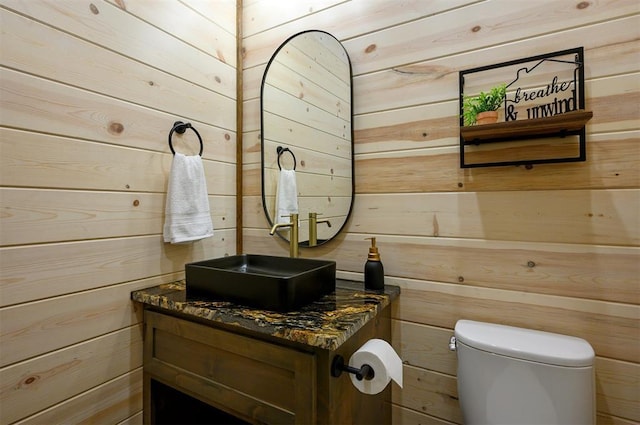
373	270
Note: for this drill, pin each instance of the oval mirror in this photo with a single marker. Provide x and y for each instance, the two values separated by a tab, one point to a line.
306	114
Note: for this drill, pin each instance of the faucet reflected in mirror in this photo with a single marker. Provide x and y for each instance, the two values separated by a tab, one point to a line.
293	238
313	227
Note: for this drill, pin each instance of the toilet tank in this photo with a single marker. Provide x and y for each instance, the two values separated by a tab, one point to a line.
509	375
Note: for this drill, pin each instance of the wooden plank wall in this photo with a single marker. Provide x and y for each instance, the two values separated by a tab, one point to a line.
555	247
89	92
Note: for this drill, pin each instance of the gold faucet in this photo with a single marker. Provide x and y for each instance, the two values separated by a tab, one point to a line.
313	227
293	239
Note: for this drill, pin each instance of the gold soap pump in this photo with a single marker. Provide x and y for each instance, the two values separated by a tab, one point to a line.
373	269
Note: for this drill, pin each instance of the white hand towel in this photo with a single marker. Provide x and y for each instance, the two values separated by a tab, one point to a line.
286	196
187	216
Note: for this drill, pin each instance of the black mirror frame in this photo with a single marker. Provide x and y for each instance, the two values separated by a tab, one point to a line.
353	176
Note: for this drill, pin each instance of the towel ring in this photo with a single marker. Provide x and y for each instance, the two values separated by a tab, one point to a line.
280	151
180	128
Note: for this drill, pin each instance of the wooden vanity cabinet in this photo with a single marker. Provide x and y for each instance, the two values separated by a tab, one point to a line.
256	380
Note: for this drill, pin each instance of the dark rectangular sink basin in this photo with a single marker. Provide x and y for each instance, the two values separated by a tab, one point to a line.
261	281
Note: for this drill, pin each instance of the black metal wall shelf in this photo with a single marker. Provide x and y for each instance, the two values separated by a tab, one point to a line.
549	85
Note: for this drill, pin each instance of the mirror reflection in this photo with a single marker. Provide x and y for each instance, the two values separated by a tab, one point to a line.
307	136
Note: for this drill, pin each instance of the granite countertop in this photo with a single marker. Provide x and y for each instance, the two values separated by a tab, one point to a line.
326	323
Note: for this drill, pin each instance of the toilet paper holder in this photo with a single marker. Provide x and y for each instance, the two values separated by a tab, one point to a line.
338	366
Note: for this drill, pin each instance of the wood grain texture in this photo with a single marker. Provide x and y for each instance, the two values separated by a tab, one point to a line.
86	106
427	347
106	21
32	216
609	327
611	163
595	217
402	44
435	79
43	381
118	401
219	41
429	392
282	387
71	112
573	271
617	384
76	266
40	160
346	20
32	329
222	12
66	59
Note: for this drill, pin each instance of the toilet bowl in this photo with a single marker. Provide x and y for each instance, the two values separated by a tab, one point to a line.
513	376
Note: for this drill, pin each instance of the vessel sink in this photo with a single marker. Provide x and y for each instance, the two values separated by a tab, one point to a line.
261	281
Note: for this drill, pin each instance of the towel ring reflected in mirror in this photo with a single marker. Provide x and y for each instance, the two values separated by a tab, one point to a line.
282	150
180	127
306	107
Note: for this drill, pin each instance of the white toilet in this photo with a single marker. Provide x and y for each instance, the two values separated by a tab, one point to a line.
514	376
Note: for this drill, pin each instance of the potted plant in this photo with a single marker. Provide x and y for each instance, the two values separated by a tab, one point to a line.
481	109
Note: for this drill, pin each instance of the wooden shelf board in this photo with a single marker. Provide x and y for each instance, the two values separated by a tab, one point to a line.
557	124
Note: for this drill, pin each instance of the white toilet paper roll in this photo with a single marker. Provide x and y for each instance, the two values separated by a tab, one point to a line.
384	361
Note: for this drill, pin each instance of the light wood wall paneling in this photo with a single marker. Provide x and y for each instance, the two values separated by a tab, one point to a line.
436	80
257	17
186	24
404	44
414	128
427	347
251	108
222	12
611	328
617	384
89	93
46	161
424	346
583	271
345	20
35	272
252	180
252	143
41	382
39	216
72	112
252	78
116	401
596	217
407	148
253	214
433	393
428	126
612	161
106	22
32	329
66	59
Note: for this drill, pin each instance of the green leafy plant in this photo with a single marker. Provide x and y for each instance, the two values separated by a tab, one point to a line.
473	105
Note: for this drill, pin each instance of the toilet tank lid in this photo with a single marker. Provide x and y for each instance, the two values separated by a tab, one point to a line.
525	344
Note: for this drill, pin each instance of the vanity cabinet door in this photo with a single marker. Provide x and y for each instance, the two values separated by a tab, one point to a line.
254	380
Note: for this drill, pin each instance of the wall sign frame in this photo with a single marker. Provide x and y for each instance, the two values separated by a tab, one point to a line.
542	116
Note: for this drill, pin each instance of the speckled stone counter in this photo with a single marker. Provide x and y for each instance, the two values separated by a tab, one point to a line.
326	323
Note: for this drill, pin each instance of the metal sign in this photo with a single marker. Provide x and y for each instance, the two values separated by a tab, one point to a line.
532	92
